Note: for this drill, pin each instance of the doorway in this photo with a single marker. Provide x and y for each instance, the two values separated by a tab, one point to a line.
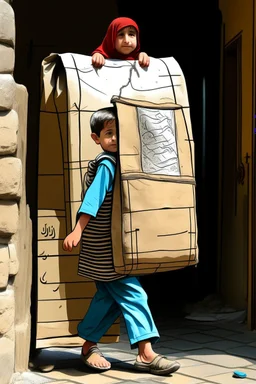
234	227
35	42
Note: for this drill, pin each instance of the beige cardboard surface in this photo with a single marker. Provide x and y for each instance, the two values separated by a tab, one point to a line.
153	204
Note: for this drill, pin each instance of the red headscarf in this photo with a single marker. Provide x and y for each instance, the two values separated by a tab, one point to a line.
107	47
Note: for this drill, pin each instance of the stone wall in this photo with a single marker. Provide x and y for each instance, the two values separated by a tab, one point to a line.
15	225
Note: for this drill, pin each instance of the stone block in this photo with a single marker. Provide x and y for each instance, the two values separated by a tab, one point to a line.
4	266
13	260
8	132
10	177
17	378
9	218
7	348
7	311
22	341
7	25
7	59
7	90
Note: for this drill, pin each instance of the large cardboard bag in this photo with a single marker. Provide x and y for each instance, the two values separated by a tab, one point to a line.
154	210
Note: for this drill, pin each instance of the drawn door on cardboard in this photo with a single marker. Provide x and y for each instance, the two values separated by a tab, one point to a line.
154	226
71	91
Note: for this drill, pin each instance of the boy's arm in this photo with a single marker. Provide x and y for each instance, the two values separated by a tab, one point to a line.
75	236
93	199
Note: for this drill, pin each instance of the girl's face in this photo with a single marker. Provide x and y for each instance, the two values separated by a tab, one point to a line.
126	40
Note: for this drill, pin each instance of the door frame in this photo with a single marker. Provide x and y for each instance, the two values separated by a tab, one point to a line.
252	318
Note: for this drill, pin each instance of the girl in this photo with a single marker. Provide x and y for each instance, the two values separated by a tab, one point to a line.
120	42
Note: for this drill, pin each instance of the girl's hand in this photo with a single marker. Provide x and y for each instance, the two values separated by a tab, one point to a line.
98	60
71	241
143	59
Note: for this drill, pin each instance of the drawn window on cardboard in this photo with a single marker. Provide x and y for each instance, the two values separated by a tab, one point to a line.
158	141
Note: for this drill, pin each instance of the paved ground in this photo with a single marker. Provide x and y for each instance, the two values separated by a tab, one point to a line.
208	352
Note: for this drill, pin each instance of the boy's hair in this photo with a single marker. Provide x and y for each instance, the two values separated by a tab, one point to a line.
99	117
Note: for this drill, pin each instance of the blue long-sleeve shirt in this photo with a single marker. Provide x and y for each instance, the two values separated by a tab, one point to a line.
96	193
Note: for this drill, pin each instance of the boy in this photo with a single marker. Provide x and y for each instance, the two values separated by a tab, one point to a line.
115	294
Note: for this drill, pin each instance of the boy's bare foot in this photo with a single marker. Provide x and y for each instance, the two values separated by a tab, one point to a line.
93	358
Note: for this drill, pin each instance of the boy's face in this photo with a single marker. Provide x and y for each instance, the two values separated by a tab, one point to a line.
126	40
107	138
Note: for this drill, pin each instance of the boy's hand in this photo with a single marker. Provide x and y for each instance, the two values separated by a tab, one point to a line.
143	59
71	241
98	60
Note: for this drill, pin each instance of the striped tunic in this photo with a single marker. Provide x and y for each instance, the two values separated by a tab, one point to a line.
96	260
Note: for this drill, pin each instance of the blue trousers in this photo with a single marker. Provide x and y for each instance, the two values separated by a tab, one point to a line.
124	296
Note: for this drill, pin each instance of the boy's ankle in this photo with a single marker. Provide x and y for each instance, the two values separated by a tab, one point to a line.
87	345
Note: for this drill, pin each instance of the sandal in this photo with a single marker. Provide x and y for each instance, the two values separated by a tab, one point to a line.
160	365
91	351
